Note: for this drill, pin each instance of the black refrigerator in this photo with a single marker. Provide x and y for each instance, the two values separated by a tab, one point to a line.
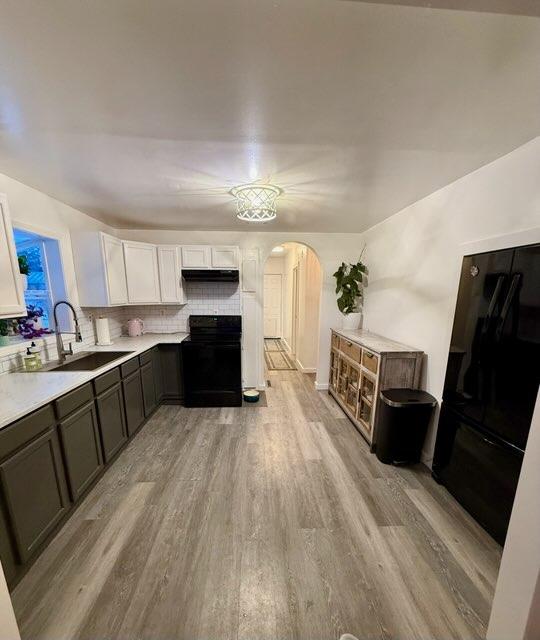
491	383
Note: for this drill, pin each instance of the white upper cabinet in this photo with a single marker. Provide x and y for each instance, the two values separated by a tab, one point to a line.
203	256
115	270
196	256
11	291
170	278
224	257
100	269
142	272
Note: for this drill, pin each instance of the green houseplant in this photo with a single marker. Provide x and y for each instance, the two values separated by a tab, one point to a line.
349	287
24	270
4	332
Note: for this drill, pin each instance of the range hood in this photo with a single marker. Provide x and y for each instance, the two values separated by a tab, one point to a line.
210	275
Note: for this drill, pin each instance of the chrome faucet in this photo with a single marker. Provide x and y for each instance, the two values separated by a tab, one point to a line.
62	352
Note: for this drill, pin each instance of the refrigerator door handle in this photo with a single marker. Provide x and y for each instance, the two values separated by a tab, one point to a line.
492	303
516	279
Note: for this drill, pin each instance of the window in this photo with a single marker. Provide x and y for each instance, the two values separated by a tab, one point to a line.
38	289
45	279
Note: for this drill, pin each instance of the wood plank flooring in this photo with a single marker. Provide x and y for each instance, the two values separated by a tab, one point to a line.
253	523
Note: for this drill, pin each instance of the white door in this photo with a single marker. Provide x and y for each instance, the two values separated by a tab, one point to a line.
115	269
142	272
196	256
272	305
11	291
170	280
224	257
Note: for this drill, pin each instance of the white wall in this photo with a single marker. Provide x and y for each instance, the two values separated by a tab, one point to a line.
38	212
414	257
8	624
516	607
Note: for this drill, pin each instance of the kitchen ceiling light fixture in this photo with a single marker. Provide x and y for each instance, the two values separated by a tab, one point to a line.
256	202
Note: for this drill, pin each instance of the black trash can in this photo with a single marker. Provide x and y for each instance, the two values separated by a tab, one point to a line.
402	425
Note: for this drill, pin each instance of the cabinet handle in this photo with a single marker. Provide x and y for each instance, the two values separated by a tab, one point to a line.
349	344
369	355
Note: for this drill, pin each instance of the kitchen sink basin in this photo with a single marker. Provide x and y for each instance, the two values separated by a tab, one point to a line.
87	361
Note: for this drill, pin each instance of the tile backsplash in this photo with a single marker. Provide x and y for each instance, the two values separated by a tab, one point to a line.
203	298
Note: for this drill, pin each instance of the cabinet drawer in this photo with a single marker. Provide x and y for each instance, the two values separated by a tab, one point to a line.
350	349
335	340
145	357
73	400
24	430
370	361
129	367
107	380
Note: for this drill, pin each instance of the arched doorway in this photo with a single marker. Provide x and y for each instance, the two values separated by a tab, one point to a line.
291	307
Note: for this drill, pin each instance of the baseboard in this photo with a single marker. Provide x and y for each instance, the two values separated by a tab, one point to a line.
303	369
321	386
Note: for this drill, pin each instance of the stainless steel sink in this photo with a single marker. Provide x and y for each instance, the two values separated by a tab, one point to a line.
86	361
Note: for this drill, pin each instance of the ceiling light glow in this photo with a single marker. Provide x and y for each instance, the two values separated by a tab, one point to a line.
256	202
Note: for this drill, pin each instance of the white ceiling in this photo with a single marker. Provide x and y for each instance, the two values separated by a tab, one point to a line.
144	114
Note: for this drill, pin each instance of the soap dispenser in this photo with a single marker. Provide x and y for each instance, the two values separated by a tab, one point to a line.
30	361
35	350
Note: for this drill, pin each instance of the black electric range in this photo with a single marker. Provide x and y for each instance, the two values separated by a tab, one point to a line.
212	362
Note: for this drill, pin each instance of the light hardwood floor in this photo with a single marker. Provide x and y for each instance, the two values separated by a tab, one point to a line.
261	523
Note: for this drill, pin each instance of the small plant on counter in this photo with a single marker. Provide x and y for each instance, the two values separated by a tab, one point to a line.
4	332
24	268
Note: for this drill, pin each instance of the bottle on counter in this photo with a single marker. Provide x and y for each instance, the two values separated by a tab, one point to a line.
36	351
30	361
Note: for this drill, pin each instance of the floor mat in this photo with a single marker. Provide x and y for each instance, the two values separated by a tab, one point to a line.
278	361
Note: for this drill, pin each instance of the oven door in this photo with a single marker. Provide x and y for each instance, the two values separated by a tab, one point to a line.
212	374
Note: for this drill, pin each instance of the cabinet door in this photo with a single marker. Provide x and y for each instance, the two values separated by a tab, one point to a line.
115	269
11	292
133	401
82	449
149	389
170	280
34	487
171	366
196	256
112	423
225	257
142	272
158	373
7	549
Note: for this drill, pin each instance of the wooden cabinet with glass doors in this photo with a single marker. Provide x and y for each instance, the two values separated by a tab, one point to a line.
364	364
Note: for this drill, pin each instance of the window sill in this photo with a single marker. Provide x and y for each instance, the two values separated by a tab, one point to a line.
17	344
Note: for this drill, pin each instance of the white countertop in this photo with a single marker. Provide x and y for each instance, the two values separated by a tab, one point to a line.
22	393
374	342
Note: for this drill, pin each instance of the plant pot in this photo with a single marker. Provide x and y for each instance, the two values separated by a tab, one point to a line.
4	341
352	320
24	281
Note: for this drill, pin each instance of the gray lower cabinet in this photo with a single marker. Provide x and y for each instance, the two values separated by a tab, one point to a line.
82	448
7	546
112	424
171	368
158	374
149	389
34	489
133	401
